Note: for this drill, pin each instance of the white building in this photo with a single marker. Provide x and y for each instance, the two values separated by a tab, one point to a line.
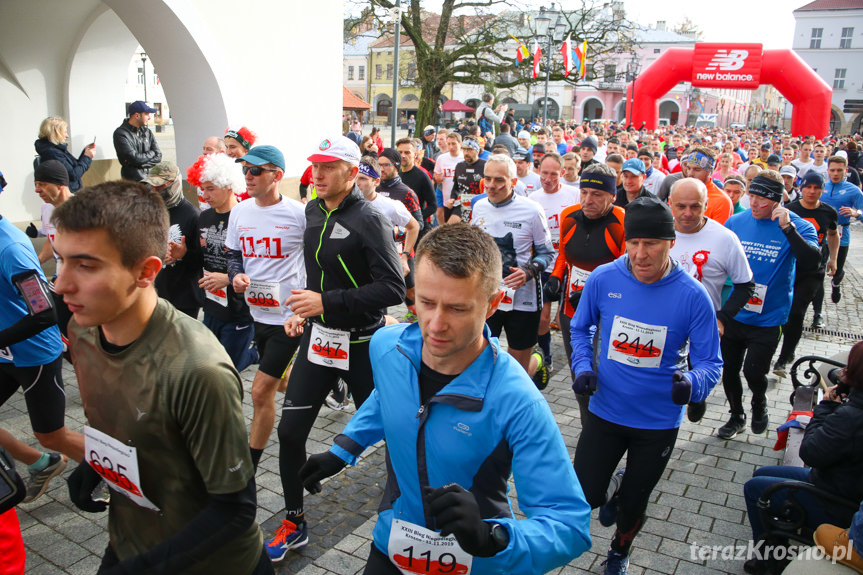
143	83
356	63
829	37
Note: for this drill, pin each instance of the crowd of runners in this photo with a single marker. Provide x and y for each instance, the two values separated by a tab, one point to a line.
666	260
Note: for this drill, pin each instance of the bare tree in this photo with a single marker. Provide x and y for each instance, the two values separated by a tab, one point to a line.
469	42
688	28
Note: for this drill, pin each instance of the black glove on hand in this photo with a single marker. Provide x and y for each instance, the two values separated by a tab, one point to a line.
681	388
320	466
32	231
81	484
585	383
456	511
551	290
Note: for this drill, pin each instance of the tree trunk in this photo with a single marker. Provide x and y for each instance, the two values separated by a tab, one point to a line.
428	113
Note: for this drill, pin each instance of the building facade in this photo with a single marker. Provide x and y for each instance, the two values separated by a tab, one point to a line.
829	36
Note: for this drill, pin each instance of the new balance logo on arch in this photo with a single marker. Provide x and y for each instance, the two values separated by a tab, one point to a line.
728	60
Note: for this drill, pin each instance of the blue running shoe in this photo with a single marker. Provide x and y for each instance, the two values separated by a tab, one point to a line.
288	536
608	512
616	564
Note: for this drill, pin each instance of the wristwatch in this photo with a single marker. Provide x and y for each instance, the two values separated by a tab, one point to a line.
500	536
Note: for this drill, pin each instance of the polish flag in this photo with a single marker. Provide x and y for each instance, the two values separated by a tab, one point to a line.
537	56
566	51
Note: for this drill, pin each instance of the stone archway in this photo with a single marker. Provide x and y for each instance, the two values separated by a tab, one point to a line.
669	110
592	108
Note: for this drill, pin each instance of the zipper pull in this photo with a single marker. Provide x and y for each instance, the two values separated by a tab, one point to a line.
420	412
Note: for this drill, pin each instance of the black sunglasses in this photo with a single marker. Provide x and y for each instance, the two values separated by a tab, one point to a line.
257	170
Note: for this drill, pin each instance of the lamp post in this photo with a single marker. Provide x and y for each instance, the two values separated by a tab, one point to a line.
397	18
544	28
633	70
143	56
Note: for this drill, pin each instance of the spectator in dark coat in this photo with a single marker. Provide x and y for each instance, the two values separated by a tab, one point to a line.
51	145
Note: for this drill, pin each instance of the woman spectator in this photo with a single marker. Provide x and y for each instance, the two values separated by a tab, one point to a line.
830	446
736	160
51	145
376	136
368	147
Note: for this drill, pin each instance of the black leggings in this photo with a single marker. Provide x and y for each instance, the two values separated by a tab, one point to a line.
805	288
756	344
565	322
307	390
379	564
264	566
818	302
600	448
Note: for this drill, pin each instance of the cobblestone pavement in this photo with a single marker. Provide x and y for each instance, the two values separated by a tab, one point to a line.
699	500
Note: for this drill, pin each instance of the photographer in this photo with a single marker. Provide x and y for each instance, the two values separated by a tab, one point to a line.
831	447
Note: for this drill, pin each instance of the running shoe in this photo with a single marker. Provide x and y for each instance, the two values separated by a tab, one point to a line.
409	317
608	512
337	405
288	536
38	481
760	420
735	425
616	564
835	293
540	378
781	368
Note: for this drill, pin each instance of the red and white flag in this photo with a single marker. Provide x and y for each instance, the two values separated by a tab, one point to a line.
537	56
566	51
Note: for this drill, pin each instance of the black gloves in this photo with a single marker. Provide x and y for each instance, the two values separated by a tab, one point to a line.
551	290
456	511
320	466
32	231
681	388
81	484
585	383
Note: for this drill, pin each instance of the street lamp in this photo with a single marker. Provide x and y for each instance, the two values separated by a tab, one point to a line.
143	56
634	65
543	28
396	14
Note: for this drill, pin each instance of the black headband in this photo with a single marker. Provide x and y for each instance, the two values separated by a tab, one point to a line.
766	188
599	181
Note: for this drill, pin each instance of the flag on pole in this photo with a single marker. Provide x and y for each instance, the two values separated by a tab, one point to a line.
521	51
566	52
537	56
581	59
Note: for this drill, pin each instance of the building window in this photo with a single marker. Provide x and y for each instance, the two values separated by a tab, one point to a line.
815	41
389	71
839	79
350	72
590	73
610	73
412	71
656	50
378	72
140	76
845	41
362	75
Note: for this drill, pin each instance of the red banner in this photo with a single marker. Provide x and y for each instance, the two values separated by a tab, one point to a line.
726	65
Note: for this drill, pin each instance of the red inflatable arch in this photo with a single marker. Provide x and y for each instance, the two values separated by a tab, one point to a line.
736	66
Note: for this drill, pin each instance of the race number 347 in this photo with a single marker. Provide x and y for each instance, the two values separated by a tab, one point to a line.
635	343
329	347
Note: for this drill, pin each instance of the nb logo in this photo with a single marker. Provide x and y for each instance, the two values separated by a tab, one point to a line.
615	295
725	60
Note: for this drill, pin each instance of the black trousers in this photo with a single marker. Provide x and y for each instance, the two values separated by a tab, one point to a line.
818	301
600	448
307	390
379	564
565	323
749	347
264	566
805	288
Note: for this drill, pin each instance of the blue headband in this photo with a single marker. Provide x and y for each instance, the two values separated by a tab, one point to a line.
369	171
701	160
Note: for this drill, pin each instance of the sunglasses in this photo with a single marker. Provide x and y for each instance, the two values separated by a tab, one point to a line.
257	170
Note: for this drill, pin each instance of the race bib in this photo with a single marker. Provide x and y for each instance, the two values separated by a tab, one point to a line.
508	300
117	464
635	343
756	302
219	295
417	550
400	247
264	296
577	277
329	347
